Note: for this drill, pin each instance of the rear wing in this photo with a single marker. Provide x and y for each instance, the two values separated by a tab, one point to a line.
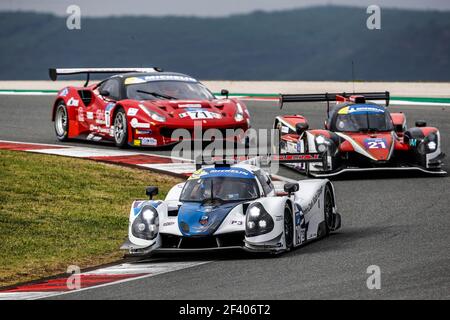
261	159
55	72
360	97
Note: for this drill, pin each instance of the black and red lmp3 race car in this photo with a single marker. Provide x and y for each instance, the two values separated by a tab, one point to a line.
143	107
359	135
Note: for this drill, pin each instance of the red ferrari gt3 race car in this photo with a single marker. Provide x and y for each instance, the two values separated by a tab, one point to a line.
142	107
359	135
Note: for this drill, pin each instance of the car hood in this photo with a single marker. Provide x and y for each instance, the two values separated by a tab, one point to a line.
175	108
376	146
196	219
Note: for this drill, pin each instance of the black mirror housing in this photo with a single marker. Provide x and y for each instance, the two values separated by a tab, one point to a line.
421	123
291	187
104	93
151	191
301	127
224	92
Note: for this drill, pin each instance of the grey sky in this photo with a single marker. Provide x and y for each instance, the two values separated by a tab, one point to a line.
199	7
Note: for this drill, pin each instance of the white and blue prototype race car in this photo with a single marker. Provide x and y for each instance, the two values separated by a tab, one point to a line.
230	207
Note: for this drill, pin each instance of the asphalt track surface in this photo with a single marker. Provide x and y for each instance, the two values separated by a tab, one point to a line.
397	222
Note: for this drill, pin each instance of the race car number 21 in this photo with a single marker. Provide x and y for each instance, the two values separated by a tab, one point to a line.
375	143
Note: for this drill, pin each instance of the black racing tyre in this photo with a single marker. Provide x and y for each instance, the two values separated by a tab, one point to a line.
121	129
61	122
288	227
277	126
328	210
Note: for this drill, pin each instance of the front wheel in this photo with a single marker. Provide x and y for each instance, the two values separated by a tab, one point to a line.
328	211
288	227
120	129
61	122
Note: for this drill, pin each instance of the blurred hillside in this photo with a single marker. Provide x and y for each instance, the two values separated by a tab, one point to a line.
306	44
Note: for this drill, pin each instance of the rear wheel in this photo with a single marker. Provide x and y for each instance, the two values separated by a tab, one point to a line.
61	122
328	211
120	129
288	227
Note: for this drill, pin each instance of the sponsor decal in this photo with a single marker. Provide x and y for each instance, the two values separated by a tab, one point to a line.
63	92
170	223
143	131
136	124
375	143
313	201
299	230
99	129
230	171
93	137
363	108
108	109
89	115
136	80
148	141
190	105
72	102
197	174
237	222
284	129
132	112
413	142
100	117
136	142
80	114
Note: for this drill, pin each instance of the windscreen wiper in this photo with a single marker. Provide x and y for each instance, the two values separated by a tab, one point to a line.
156	94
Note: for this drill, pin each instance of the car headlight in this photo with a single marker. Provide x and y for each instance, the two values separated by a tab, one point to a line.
258	220
146	224
432	145
322	144
239	116
429	144
153	114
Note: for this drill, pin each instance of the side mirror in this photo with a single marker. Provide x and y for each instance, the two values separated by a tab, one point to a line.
151	191
104	93
224	92
421	123
291	188
301	127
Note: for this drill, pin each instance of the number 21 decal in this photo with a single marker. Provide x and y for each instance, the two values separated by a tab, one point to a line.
376	144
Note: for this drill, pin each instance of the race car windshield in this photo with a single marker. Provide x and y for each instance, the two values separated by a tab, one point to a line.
179	90
365	121
220	188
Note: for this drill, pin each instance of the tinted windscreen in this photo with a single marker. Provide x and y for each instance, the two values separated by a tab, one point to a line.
223	188
365	121
168	90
